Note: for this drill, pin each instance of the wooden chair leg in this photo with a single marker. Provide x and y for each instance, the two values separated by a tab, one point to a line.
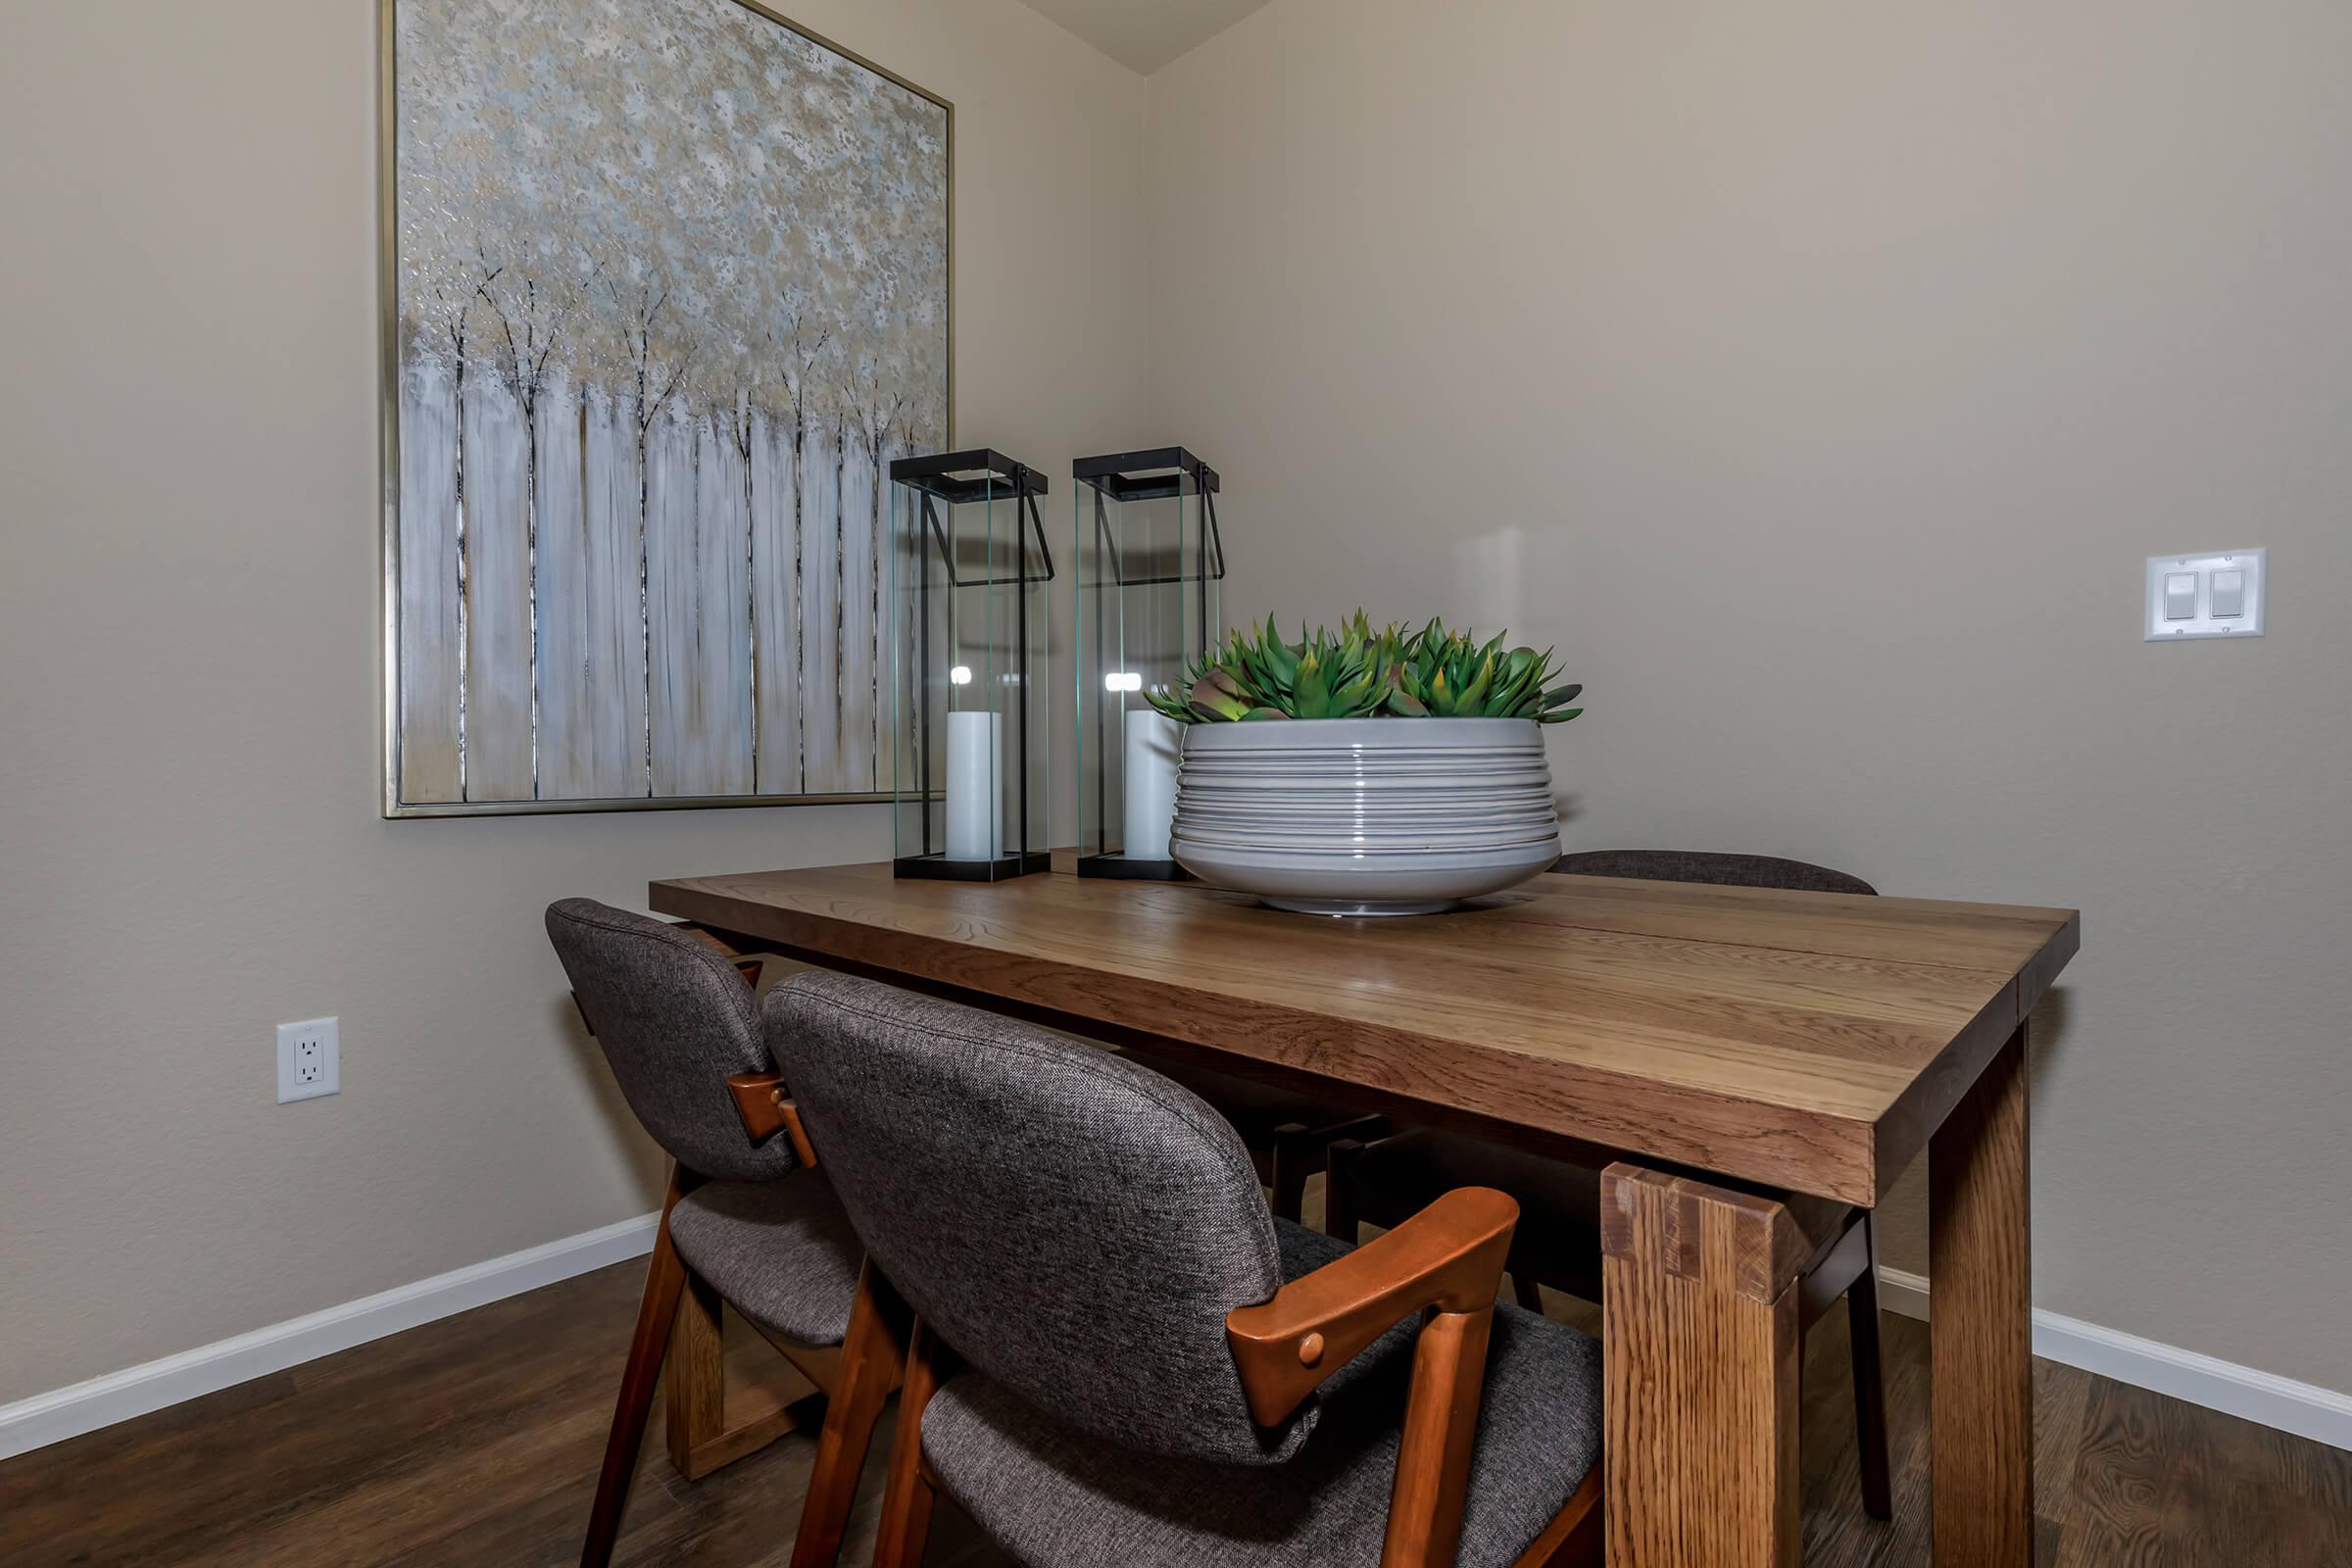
1288	1170
1575	1538
1338	1190
906	1500
1869	1382
710	1424
1433	1458
664	1278
698	1380
872	1357
1526	1292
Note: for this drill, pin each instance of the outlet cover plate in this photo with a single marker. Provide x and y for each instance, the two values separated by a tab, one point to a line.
310	1059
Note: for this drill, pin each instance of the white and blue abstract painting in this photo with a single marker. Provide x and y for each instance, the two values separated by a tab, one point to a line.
672	293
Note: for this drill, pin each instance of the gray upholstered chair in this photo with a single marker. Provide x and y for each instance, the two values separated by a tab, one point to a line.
1118	1355
1558	1239
1288	1136
746	1222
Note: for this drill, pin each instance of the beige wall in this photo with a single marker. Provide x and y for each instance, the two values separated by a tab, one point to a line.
1817	377
189	841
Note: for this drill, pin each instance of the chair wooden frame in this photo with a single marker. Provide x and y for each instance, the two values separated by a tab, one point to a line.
1446	1263
1844	1263
680	1326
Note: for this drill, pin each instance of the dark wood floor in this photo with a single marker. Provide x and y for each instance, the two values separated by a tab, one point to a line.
474	1442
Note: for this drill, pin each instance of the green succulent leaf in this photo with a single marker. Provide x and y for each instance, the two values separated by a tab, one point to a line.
1216	694
1474	695
1357	671
1310	698
1281	663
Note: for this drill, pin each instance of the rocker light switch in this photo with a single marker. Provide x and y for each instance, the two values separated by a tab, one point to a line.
2215	594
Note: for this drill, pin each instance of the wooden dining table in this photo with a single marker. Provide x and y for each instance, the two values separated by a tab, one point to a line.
1735	1056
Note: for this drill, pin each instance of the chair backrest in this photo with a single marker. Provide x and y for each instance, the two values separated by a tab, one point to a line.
676	1021
1724	871
1073	1225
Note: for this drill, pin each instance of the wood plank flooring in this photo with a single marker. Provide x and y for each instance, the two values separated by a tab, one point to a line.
474	1442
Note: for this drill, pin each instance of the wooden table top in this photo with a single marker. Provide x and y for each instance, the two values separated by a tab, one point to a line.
1804	1041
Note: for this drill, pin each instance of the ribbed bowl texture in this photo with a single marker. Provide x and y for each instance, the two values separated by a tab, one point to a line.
1366	816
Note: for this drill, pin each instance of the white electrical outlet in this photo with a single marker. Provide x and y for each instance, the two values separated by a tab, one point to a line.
310	1059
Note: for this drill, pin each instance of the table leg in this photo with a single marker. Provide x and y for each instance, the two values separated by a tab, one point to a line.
1982	1329
1699	1334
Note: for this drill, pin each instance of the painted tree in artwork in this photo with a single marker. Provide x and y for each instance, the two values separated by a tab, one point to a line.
526	312
529	315
672	289
878	403
654	367
801	350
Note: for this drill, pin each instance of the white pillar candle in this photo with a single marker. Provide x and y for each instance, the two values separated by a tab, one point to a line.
975	765
1152	742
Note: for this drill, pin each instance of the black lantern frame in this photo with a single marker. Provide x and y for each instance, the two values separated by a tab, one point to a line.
927	546
1108	579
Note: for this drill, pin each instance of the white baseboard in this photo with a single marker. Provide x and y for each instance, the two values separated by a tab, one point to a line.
67	1412
2302	1408
1901	1291
2308	1412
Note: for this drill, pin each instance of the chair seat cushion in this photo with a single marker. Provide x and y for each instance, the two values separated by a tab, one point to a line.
1053	1497
781	1253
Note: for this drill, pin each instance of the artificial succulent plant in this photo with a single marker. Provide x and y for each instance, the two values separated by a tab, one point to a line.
1357	673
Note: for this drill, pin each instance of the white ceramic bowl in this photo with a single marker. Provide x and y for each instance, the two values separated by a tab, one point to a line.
1454	783
1398	806
1370	838
1302	836
1422	882
1365	817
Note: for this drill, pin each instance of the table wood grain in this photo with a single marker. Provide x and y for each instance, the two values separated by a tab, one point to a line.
1803	1041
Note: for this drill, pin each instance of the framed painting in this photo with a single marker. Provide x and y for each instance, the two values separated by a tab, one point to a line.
665	291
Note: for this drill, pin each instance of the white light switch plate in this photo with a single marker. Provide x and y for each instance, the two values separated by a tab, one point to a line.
2158	627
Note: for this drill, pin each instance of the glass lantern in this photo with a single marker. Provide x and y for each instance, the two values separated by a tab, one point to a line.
1151	566
971	750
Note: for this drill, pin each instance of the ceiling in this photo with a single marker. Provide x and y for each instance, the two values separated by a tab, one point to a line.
1145	34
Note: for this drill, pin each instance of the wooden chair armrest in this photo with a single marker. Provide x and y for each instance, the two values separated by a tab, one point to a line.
1448	1257
760	1101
